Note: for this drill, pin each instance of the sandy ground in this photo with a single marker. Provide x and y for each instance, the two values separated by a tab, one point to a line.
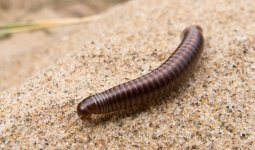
24	54
215	109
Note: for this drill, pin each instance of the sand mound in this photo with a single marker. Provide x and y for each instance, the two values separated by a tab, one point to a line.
24	54
215	109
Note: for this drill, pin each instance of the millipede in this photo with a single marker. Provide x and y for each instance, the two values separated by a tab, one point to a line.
149	87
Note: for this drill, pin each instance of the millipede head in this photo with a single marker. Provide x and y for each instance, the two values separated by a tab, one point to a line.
83	111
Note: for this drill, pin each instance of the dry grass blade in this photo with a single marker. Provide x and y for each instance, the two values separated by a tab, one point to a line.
29	26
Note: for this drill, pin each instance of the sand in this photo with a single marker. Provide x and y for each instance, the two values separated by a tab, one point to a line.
24	54
215	109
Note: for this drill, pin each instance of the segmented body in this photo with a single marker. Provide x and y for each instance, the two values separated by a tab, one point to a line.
152	85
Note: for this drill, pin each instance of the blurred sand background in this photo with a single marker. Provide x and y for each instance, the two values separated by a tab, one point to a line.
23	55
45	74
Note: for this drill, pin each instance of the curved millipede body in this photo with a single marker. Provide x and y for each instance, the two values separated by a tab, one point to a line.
149	87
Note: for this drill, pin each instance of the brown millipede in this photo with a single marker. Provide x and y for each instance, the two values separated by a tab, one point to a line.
148	87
